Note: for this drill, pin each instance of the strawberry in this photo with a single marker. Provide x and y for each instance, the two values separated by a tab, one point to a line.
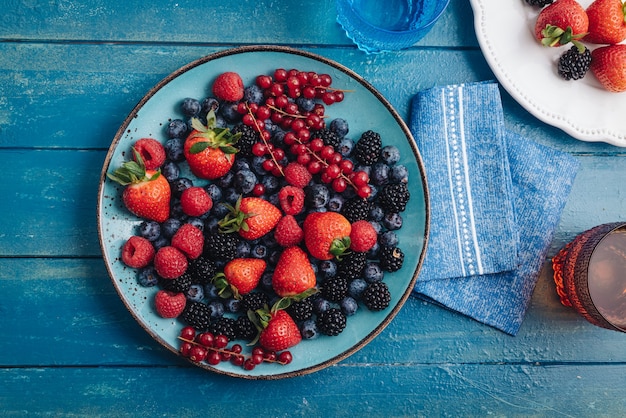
607	22
326	234
288	232
279	331
228	86
195	201
561	22
169	262
210	150
137	252
251	217
190	240
147	193
608	64
240	276
152	152
293	273
291	200
363	236
169	304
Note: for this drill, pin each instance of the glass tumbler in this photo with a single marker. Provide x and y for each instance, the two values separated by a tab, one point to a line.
388	25
590	275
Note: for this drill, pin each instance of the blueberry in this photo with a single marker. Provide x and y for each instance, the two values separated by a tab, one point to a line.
197	222
170	170
220	122
174	149
253	94
216	308
335	203
377	226
245	180
226	180
179	185
274	256
241	164
308	329
195	293
150	230
214	192
349	306
147	277
190	106
177	128
170	226
306	105
379	174
320	305
259	251
356	288
231	195
388	239
373	252
160	243
232	305
317	195
228	110
345	147
390	154
266	280
372	272
177	211
243	249
210	291
339	127
271	183
273	199
208	104
219	210
327	268
399	174
392	221
376	213
211	224
257	165
278	138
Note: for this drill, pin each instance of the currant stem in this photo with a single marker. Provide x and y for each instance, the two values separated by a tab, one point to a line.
258	129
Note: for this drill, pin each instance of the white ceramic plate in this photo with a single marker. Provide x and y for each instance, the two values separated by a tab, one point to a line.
527	70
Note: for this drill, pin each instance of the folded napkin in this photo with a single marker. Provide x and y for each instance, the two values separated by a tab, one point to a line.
493	212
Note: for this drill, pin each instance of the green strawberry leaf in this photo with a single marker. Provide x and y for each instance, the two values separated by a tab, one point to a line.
339	247
198	147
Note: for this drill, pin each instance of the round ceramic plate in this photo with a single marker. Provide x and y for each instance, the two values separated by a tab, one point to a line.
527	70
364	108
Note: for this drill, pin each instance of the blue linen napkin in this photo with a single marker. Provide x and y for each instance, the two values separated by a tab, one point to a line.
532	180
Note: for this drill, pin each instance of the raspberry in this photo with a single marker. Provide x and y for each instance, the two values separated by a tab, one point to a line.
189	240
228	86
137	252
151	151
291	200
363	236
169	304
195	201
297	175
288	232
170	262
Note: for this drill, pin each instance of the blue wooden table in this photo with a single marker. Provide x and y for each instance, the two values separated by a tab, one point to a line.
70	72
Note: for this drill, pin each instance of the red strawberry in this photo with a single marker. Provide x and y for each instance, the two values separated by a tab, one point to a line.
190	240
293	273
170	262
326	234
251	217
169	304
287	232
291	200
240	276
147	193
297	175
195	201
137	252
561	22
280	332
607	22
151	151
608	64
228	86
363	236
209	150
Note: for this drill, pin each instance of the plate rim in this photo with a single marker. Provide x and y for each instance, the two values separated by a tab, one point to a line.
288	50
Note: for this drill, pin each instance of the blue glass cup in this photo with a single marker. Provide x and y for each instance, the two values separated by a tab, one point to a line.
388	25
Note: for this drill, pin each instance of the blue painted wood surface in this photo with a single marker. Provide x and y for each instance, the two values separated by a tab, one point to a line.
70	71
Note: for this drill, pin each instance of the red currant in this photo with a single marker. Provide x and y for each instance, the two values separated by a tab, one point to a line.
259	189
197	353
221	341
339	184
259	149
280	74
285	357
188	333
264	81
206	339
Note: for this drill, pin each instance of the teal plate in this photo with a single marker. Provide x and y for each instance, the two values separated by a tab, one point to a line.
364	108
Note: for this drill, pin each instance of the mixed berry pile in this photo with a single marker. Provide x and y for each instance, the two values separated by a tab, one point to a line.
285	229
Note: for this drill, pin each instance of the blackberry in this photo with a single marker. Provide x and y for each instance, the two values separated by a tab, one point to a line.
394	197
254	301
376	296
248	138
245	328
181	284
301	310
352	265
540	3
573	64
224	326
367	149
197	315
356	209
202	270
391	258
329	137
218	246
335	288
331	322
